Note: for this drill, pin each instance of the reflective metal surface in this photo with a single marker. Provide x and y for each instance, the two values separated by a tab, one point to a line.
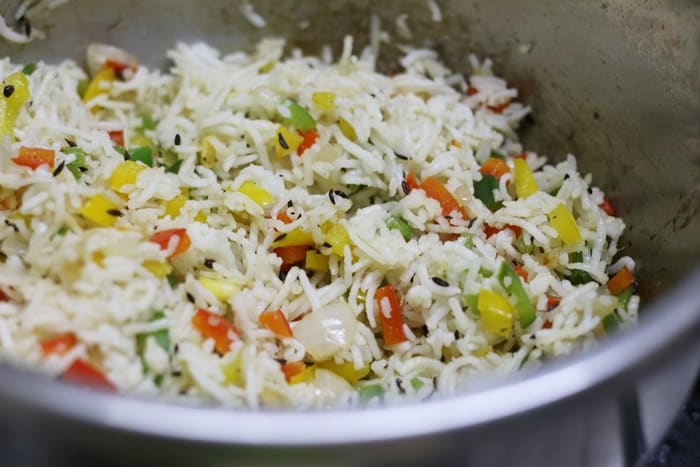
616	82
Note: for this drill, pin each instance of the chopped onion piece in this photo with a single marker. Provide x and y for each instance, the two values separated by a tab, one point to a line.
327	331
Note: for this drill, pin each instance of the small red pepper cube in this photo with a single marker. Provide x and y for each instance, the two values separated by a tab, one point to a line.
163	239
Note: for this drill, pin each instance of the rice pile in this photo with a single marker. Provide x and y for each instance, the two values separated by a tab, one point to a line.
214	122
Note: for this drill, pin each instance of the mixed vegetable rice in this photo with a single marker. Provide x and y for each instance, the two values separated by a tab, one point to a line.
271	230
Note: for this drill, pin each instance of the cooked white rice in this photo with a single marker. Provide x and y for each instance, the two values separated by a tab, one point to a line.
63	274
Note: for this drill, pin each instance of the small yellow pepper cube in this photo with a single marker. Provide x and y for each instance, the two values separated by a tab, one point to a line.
100	210
495	312
525	183
347	129
286	141
222	289
255	192
564	223
337	237
126	173
315	261
97	86
305	376
158	269
324	100
346	370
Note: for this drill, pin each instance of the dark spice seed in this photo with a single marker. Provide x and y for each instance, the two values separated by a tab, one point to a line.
440	281
8	90
10	224
127	156
456	335
209	263
404	187
59	169
590	190
178	139
190	297
176	374
340	193
27	26
331	196
290	204
280	237
115	212
176	348
435	381
401	156
399	385
282	142
71	143
83	169
281	361
327	245
567	176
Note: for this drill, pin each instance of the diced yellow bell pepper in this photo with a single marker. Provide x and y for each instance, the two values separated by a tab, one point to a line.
525	183
233	371
286	141
98	257
347	129
97	210
315	261
346	370
201	216
174	206
97	85
126	173
296	237
495	312
207	152
324	100
255	192
158	268
222	289
268	66
10	106
564	223
337	237
305	376
140	141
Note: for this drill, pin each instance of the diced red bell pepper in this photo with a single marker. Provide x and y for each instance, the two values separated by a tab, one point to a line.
59	345
392	325
607	207
82	372
216	327
283	217
163	237
35	157
494	166
309	139
291	255
412	181
552	302
276	322
117	137
520	271
499	108
620	281
490	231
471	90
435	189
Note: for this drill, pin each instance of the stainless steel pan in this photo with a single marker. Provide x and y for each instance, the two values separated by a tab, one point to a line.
617	82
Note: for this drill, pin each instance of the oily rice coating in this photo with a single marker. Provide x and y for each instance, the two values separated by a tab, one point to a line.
287	230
